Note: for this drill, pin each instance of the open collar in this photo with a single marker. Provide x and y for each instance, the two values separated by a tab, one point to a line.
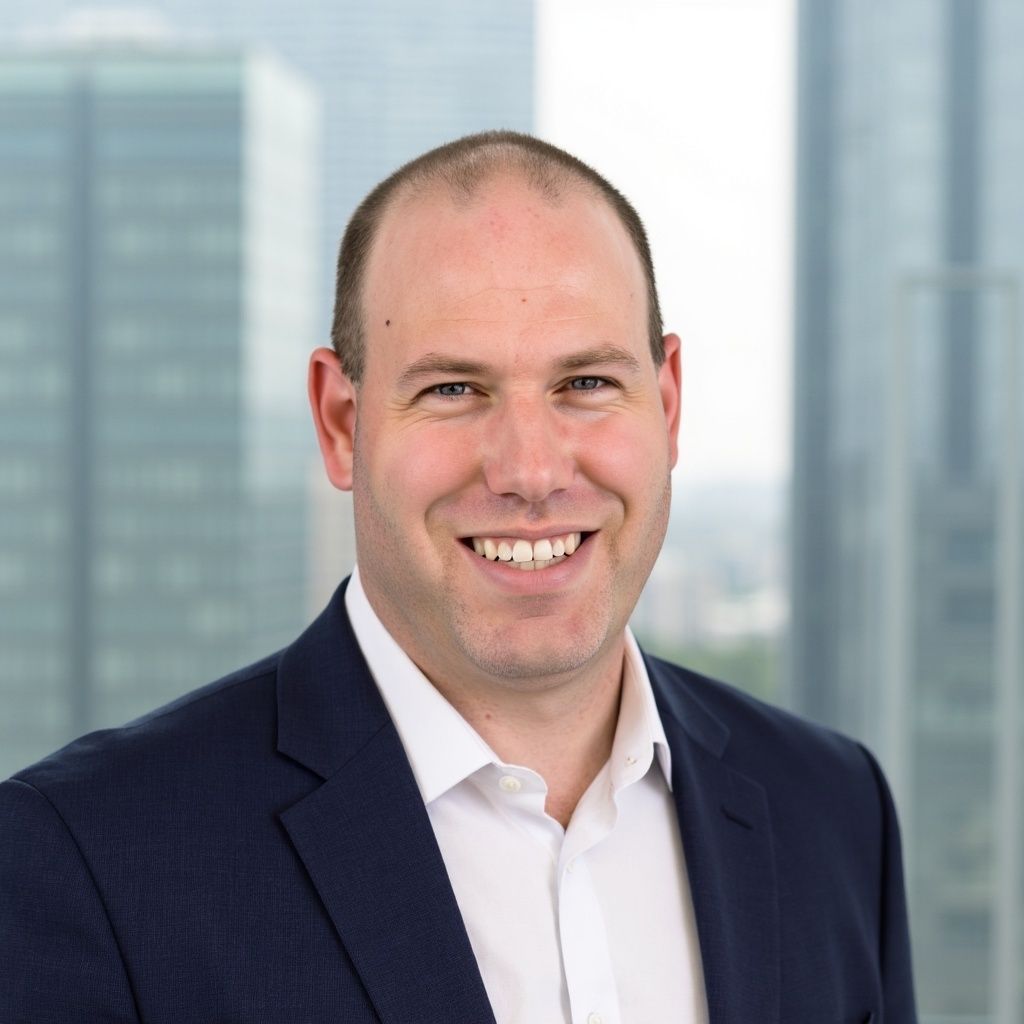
444	749
366	841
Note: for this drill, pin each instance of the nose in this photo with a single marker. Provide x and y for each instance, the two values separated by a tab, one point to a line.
527	451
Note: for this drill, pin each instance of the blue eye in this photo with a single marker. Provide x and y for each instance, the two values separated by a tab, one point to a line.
586	383
451	390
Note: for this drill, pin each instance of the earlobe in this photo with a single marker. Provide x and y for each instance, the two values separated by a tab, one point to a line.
669	384
332	398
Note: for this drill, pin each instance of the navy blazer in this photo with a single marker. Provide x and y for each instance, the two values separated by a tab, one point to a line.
258	851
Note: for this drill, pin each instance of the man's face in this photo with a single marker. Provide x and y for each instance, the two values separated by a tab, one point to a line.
509	402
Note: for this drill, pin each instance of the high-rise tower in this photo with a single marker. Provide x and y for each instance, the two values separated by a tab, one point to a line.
396	77
158	276
909	421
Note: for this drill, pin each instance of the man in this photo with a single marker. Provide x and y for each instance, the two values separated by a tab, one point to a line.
463	795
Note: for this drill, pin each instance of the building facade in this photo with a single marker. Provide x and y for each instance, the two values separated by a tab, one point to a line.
908	462
171	225
158	286
396	77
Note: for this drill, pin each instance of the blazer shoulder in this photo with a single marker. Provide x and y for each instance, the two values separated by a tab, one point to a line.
829	800
216	717
765	741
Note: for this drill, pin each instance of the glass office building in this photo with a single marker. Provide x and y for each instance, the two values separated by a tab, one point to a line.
396	76
158	288
909	421
171	225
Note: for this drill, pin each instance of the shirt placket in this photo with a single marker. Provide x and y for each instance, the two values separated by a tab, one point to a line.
586	955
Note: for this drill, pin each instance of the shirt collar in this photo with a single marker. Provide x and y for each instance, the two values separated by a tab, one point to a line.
639	734
444	749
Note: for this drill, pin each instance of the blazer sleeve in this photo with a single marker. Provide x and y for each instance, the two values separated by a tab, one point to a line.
894	940
59	958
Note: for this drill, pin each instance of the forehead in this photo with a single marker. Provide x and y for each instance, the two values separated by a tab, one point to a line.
436	253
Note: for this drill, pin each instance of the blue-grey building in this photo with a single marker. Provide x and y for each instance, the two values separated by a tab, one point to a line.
158	288
396	76
908	463
204	252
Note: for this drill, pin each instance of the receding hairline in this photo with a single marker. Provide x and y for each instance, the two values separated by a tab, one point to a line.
390	223
465	170
461	170
412	194
437	184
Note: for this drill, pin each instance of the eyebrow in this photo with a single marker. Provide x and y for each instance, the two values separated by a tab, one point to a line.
439	364
601	355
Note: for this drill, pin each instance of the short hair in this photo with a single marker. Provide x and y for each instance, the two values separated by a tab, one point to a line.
462	166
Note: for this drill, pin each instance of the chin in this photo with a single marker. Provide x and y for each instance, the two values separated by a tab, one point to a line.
504	659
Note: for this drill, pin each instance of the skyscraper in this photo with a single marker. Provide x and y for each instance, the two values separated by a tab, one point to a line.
158	278
258	201
907	505
396	76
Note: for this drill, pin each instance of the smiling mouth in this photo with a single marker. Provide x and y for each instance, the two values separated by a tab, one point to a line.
520	553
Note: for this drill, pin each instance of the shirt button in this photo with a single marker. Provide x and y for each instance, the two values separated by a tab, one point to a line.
595	1018
510	784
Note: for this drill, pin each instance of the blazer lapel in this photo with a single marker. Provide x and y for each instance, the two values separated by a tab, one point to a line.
726	830
365	838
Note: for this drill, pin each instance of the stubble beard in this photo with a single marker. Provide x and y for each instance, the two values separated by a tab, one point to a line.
569	649
492	651
564	651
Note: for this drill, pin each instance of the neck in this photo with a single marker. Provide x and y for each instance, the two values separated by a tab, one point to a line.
563	732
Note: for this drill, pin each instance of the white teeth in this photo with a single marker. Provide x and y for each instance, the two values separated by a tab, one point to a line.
537	563
522	551
524	555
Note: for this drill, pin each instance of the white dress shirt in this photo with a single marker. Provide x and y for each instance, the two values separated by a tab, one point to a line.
592	924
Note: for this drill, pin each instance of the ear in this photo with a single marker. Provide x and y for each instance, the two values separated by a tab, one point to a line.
669	384
332	397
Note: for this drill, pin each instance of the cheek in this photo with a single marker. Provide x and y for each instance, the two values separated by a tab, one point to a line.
417	470
626	456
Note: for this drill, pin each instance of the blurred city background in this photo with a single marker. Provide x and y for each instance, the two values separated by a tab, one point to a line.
833	190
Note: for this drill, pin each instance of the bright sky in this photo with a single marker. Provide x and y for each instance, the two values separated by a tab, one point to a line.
687	108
